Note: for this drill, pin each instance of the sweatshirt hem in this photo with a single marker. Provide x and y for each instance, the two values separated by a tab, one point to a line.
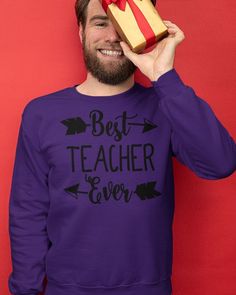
161	287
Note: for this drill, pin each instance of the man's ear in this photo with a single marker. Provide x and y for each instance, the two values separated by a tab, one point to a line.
80	32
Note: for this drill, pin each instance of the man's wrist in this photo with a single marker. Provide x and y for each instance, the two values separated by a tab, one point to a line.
169	84
159	74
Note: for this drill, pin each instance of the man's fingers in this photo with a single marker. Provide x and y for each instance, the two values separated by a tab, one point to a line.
170	24
173	28
129	53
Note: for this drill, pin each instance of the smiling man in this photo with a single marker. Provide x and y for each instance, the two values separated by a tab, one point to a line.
103	55
92	197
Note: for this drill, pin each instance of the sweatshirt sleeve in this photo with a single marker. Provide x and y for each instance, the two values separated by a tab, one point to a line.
198	138
28	207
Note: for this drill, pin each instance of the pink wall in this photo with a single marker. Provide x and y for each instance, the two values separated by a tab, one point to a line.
40	53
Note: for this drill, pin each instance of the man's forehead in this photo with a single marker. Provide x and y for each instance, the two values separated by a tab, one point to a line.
95	8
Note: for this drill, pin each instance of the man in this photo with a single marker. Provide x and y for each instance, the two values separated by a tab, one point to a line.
111	74
92	198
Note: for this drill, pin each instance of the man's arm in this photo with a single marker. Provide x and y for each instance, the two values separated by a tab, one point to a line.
198	138
28	207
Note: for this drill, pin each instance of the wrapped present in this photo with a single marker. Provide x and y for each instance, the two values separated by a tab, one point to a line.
136	21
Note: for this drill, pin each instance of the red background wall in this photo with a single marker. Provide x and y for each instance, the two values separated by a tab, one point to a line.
40	53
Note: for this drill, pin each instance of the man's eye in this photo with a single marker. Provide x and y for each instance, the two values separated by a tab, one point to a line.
100	24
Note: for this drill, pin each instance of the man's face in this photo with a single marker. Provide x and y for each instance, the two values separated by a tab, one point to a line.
99	34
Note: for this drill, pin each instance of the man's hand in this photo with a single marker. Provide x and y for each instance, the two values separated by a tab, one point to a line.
160	60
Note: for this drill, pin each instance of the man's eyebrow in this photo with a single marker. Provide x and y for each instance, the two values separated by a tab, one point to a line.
101	17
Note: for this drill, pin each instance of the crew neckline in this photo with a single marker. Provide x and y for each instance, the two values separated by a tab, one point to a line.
120	97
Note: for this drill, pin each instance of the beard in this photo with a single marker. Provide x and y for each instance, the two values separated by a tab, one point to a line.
107	72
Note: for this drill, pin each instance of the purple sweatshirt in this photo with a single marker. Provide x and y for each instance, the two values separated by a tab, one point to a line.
92	196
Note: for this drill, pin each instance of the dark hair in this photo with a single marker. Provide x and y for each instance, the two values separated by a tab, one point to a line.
81	7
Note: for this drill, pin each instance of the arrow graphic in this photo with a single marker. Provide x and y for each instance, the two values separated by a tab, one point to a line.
74	190
144	191
78	125
75	125
147	125
147	190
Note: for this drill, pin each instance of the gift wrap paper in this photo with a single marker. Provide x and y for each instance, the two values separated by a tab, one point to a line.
128	27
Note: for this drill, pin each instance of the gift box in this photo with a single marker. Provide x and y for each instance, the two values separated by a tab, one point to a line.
136	21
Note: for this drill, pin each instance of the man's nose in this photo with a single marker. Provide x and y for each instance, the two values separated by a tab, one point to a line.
112	35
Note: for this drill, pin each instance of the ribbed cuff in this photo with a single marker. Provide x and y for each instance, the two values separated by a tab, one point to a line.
169	84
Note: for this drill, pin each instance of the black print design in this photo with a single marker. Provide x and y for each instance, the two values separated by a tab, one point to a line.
147	190
144	191
78	125
114	158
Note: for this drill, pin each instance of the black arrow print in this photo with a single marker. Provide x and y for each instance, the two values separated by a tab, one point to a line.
75	125
144	190
147	190
78	125
74	190
147	125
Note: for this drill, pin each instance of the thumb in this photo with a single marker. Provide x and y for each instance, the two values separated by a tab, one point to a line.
129	53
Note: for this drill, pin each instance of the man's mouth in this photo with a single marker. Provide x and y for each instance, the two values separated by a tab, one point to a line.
112	53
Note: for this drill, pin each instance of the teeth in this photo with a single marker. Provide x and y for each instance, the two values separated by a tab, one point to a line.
111	52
